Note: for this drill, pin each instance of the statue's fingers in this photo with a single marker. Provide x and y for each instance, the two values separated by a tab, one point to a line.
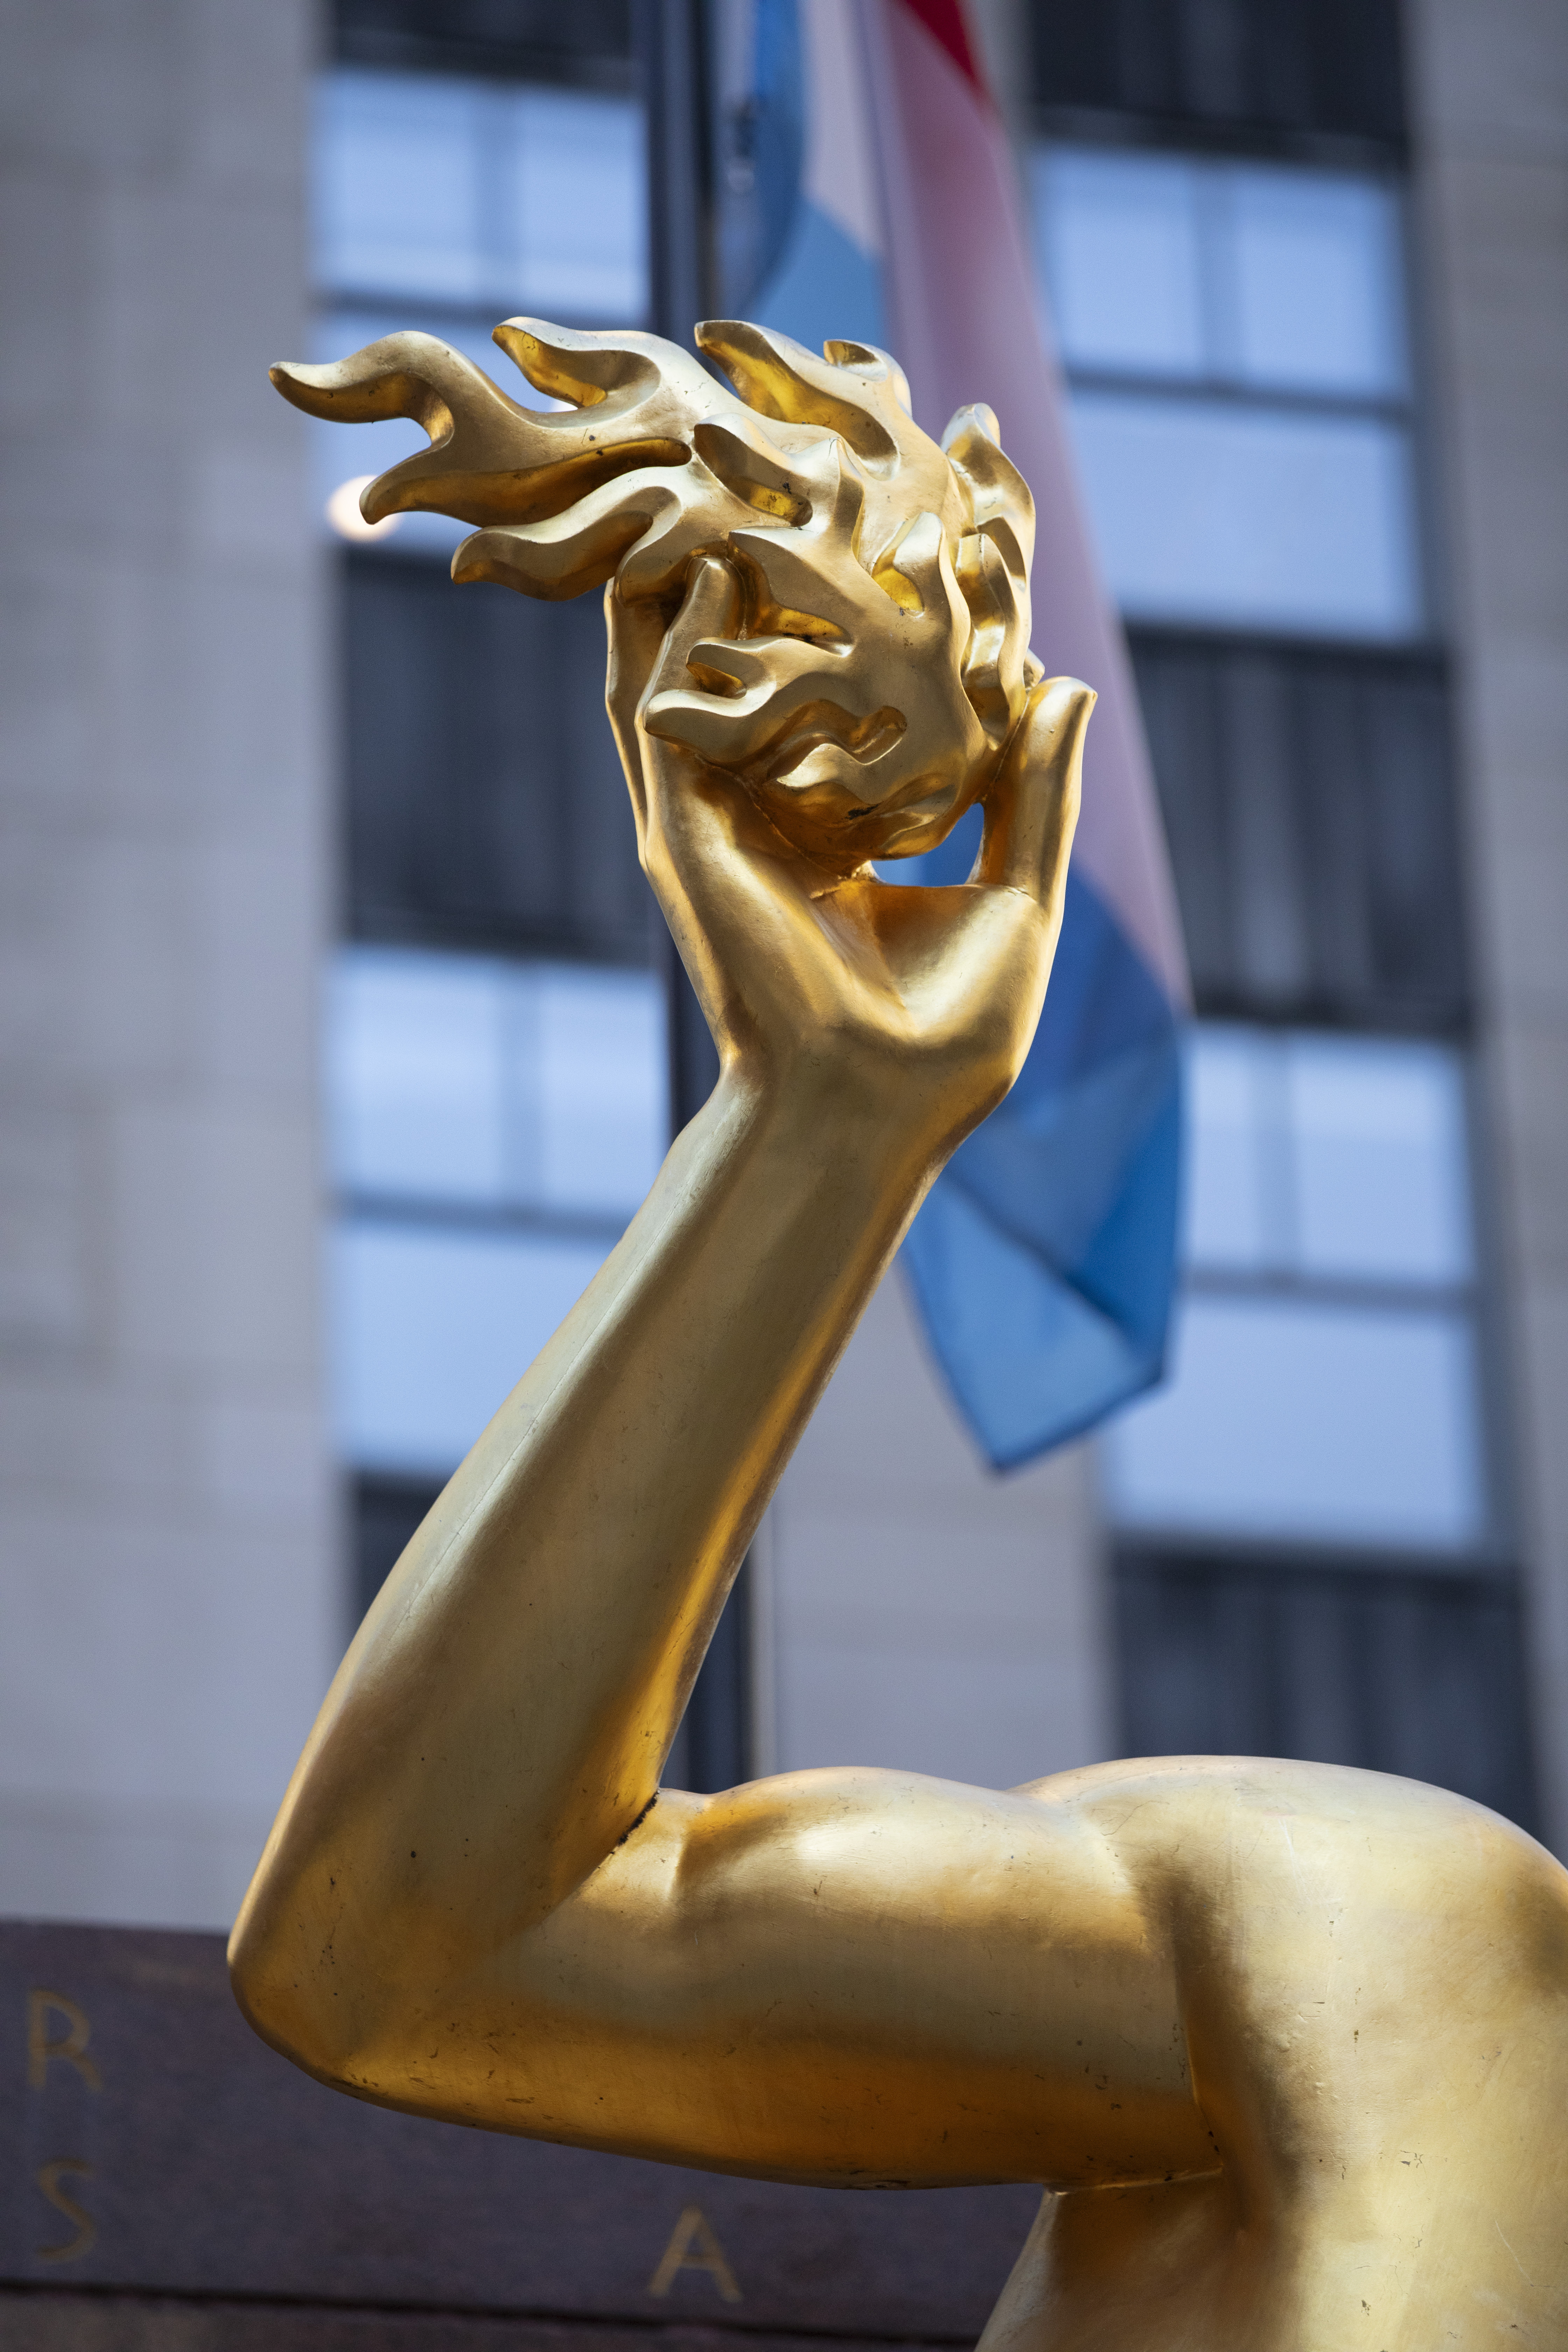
694	829
1031	811
736	894
635	631
643	654
709	608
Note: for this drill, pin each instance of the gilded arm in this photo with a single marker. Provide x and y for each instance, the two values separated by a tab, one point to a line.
471	1902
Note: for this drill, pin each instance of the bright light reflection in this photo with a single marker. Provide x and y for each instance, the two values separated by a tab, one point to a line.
343	514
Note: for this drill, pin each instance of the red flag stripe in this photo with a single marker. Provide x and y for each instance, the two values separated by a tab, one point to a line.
944	20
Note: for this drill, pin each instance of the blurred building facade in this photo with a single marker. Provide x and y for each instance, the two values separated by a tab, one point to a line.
170	1542
337	1048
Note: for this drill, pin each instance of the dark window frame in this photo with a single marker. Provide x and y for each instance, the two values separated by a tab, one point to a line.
1309	80
486	812
1245	831
1414	1664
586	47
714	1744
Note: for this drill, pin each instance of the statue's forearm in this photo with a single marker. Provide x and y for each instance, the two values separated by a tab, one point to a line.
503	1714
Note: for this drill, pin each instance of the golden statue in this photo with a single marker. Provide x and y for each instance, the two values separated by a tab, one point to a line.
1284	2045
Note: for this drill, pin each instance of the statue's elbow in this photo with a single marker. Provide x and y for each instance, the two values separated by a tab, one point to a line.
285	1981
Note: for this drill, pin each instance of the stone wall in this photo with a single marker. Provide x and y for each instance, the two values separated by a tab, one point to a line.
168	1577
923	1611
1490	98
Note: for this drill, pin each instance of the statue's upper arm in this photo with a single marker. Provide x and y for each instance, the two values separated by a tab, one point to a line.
854	1975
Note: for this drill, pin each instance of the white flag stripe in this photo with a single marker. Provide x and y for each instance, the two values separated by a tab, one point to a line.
840	175
967	324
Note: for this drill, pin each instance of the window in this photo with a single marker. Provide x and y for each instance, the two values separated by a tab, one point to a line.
587	45
494	1126
485	804
1235	345
479	196
1324	1388
1251	276
1342	1660
1281	74
1309	805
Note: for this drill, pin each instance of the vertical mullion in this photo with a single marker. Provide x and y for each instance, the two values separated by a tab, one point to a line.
674	59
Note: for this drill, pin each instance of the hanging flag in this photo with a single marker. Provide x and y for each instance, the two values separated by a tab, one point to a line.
886	209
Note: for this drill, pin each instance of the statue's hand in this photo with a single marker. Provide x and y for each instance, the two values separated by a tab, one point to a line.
906	1007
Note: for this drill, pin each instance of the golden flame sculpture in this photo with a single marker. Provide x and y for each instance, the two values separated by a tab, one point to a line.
880	660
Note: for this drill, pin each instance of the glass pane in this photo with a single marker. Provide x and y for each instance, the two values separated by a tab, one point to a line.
1316	281
432	187
603	1094
463	1078
1212	512
432	1330
581	192
1380	1159
1228	1207
1307	1424
1119	239
1326	1158
414	1094
397	207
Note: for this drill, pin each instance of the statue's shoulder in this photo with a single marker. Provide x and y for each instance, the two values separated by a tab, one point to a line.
1329	1834
1228	1786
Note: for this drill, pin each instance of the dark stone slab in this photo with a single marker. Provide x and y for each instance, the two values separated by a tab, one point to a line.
47	2319
149	2142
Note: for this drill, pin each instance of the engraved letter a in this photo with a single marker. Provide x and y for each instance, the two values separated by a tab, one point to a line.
693	2247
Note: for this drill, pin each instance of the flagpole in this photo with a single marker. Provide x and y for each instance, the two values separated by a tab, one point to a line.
672	50
674	53
674	61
